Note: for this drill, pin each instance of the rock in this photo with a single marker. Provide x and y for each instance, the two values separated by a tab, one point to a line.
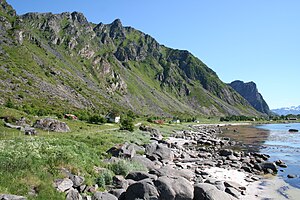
63	184
117	192
145	162
225	152
205	191
73	195
11	197
232	158
138	175
120	182
154	132
293	130
174	188
234	185
142	190
170	172
232	191
49	124
30	131
159	152
269	165
77	180
291	176
103	196
280	163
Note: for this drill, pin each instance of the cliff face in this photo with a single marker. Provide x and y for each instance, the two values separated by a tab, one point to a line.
250	93
62	61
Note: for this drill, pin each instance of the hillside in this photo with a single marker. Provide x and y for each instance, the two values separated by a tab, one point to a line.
250	92
54	63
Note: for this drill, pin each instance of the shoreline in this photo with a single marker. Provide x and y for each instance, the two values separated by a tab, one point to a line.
269	187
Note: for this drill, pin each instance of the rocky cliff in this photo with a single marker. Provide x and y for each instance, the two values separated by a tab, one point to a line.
250	92
62	62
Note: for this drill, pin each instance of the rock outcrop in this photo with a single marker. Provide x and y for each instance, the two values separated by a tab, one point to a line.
49	124
250	93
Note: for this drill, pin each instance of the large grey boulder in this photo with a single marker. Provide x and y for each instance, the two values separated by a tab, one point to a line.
146	162
159	152
139	175
103	196
205	191
77	180
174	188
169	171
73	195
269	165
49	124
142	190
63	184
11	197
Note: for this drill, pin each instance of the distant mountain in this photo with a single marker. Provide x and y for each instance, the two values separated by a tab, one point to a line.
250	92
61	62
287	110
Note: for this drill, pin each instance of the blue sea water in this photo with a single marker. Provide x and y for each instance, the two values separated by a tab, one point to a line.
284	145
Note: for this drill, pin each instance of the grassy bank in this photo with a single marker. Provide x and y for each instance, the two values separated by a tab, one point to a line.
32	163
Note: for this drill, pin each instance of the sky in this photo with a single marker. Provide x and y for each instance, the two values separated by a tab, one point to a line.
249	40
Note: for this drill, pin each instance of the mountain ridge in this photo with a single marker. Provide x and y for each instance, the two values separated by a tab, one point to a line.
63	61
294	110
250	92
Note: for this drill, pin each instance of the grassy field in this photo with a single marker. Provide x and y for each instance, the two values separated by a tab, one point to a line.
32	163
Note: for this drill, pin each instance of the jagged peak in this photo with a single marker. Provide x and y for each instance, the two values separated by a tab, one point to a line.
78	16
117	22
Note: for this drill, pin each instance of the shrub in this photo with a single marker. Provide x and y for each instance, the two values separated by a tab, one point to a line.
105	178
127	124
96	119
9	104
123	167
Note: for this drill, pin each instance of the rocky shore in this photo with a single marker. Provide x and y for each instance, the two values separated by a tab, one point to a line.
195	164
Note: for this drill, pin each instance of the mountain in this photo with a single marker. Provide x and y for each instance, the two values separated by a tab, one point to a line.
294	110
250	92
61	62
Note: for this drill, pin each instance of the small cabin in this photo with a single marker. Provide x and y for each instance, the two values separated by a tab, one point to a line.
292	119
113	118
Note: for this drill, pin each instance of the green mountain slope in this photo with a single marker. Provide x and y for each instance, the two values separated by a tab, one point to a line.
62	62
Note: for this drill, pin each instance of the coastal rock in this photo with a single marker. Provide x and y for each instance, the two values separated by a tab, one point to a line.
291	176
174	188
232	191
117	192
146	162
142	190
269	165
170	172
159	152
138	175
77	180
205	191
103	196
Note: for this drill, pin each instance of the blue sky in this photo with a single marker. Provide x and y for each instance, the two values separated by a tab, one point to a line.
249	40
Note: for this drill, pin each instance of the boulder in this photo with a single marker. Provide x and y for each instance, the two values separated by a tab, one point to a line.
49	124
145	162
159	152
174	188
103	196
142	190
205	191
269	165
117	192
225	152
138	175
73	195
169	171
11	197
63	184
120	182
77	180
233	192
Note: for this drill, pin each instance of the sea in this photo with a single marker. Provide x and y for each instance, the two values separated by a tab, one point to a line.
284	145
